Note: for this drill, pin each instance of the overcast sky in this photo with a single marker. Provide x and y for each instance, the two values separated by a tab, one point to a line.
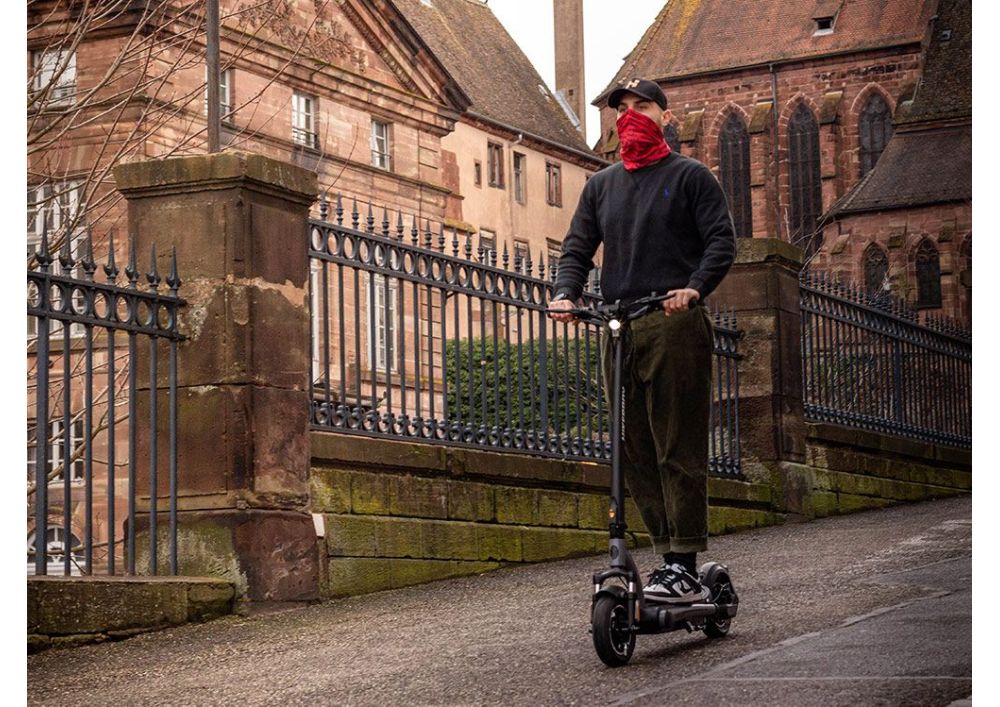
608	34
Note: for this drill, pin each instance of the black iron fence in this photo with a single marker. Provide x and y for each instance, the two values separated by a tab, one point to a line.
84	409
418	334
869	363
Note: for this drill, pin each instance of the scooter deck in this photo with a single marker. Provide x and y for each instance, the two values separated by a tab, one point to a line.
660	618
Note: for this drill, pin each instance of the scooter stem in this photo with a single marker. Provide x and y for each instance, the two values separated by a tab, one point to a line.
616	513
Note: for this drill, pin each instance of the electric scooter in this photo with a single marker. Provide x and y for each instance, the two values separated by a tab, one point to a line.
619	611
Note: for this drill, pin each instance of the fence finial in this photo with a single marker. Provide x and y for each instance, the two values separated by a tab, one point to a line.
506	256
111	269
340	210
43	255
370	220
428	235
173	280
89	266
454	241
66	255
132	269
385	222
529	266
399	226
441	238
324	207
468	245
153	276
355	216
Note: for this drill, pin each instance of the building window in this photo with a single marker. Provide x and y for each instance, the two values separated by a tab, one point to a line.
928	275
478	172
874	129
519	177
824	25
734	170
381	322
304	120
672	137
54	77
55	552
876	269
226	105
520	255
553	184
488	247
381	156
55	447
804	178
55	208
494	164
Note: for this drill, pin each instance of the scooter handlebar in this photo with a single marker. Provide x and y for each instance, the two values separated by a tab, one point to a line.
616	310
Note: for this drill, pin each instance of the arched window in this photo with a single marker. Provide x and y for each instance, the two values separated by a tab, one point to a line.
876	268
672	138
928	275
875	129
734	170
804	178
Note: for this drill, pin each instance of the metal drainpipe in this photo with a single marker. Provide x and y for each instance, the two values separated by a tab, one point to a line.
775	146
511	199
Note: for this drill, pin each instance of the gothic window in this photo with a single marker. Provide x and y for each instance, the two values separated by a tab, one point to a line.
928	275
876	267
672	138
804	178
734	169
875	129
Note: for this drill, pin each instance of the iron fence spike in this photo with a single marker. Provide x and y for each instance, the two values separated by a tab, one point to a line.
132	270
340	209
454	241
153	276
89	266
399	225
428	234
506	257
385	222
414	231
173	280
468	245
370	220
324	207
441	239
111	269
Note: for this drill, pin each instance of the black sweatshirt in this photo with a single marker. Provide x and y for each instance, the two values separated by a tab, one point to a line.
665	226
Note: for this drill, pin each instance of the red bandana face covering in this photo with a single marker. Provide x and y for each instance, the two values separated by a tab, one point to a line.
641	139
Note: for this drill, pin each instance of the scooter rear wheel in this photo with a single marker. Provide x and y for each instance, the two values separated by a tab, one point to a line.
613	638
721	587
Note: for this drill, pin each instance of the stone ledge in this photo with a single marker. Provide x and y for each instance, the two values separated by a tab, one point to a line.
68	611
882	443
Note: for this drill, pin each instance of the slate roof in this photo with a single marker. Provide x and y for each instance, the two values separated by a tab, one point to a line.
928	160
489	66
695	36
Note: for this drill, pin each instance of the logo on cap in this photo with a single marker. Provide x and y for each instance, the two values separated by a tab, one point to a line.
633	83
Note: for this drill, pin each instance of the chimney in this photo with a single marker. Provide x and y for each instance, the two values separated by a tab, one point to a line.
569	56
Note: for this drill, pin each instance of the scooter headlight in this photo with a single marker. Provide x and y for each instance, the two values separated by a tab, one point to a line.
614	325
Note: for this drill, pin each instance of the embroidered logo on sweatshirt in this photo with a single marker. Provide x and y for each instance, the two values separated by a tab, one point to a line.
666	193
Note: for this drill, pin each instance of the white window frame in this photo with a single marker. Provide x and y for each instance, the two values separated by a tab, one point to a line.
378	328
58	65
76	434
304	119
60	203
225	95
489	252
56	566
381	144
520	181
315	318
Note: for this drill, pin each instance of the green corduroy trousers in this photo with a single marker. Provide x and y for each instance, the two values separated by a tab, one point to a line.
667	378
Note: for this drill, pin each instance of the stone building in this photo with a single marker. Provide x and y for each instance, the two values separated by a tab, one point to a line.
791	105
379	98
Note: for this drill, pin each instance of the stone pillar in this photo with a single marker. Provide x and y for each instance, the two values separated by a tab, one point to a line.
238	222
763	289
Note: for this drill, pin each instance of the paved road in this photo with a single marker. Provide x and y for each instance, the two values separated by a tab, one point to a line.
867	609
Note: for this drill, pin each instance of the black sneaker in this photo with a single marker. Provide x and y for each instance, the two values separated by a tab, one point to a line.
673	584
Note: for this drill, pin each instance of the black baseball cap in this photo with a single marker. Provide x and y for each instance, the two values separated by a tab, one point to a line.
649	90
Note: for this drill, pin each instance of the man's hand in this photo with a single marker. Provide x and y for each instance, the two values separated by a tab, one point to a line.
680	301
562	304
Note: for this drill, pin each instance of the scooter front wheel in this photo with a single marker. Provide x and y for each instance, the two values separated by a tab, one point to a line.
613	638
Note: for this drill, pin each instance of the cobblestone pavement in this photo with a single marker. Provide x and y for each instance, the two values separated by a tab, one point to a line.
867	609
